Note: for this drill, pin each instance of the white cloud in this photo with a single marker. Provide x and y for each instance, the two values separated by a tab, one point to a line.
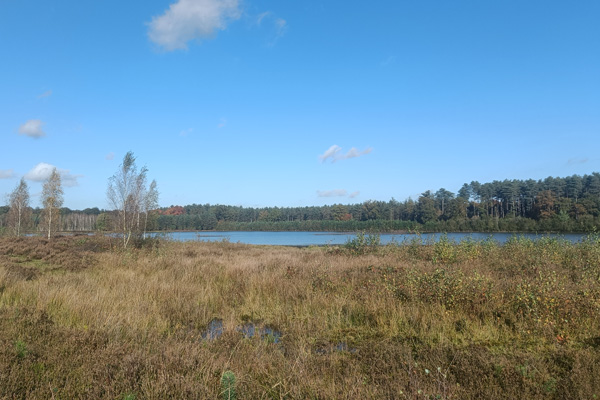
335	153
332	193
187	20
331	152
42	171
32	128
110	156
7	173
47	93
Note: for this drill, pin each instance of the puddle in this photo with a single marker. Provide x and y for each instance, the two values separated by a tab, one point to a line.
267	333
343	346
214	330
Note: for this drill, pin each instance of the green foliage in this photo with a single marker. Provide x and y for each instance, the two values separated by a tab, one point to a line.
444	251
550	386
228	386
21	349
102	222
363	243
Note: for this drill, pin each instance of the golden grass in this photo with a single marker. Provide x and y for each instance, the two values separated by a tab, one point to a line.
80	319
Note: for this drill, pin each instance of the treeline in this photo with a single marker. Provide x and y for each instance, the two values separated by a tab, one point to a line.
570	204
68	221
553	204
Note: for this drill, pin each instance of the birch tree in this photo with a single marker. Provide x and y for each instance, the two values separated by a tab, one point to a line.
52	200
128	196
19	212
150	203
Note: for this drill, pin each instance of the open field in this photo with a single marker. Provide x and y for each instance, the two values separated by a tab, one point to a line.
80	318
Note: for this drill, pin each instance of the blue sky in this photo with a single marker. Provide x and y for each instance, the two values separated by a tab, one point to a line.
288	103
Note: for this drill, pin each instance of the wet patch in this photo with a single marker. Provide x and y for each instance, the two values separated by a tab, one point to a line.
250	330
214	330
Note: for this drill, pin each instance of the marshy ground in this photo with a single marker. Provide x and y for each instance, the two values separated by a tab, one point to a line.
81	318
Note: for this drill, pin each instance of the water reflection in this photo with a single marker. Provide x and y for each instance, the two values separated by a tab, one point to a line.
250	330
214	330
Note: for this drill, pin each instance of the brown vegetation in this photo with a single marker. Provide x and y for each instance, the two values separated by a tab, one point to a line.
80	319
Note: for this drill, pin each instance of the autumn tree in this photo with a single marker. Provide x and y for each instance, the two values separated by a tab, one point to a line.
339	212
19	212
52	200
545	205
129	197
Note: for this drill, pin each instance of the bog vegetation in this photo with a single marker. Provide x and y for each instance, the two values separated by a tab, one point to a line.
81	317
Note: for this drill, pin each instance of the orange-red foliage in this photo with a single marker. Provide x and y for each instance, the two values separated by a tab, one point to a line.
175	210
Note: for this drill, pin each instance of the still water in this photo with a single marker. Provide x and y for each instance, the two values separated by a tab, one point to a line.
336	238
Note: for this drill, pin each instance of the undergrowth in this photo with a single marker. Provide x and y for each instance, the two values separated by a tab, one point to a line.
80	318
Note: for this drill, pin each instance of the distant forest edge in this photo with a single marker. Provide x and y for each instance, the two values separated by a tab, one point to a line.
570	204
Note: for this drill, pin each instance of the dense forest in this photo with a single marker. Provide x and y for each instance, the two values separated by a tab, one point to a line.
552	204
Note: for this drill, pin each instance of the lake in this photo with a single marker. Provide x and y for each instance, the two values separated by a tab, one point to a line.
337	238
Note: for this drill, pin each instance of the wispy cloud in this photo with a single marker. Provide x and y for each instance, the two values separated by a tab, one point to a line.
32	128
7	173
575	161
331	152
186	20
262	16
337	193
110	156
279	24
42	171
336	154
222	123
186	132
388	61
47	93
332	193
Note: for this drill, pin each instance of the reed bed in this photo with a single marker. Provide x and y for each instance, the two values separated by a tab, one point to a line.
81	318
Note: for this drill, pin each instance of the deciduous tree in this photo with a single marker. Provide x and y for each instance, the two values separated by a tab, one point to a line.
52	200
19	212
150	202
129	197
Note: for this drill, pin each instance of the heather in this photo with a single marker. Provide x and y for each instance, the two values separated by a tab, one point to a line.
81	317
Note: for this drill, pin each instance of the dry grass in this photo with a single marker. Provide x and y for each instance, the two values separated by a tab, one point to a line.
79	319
